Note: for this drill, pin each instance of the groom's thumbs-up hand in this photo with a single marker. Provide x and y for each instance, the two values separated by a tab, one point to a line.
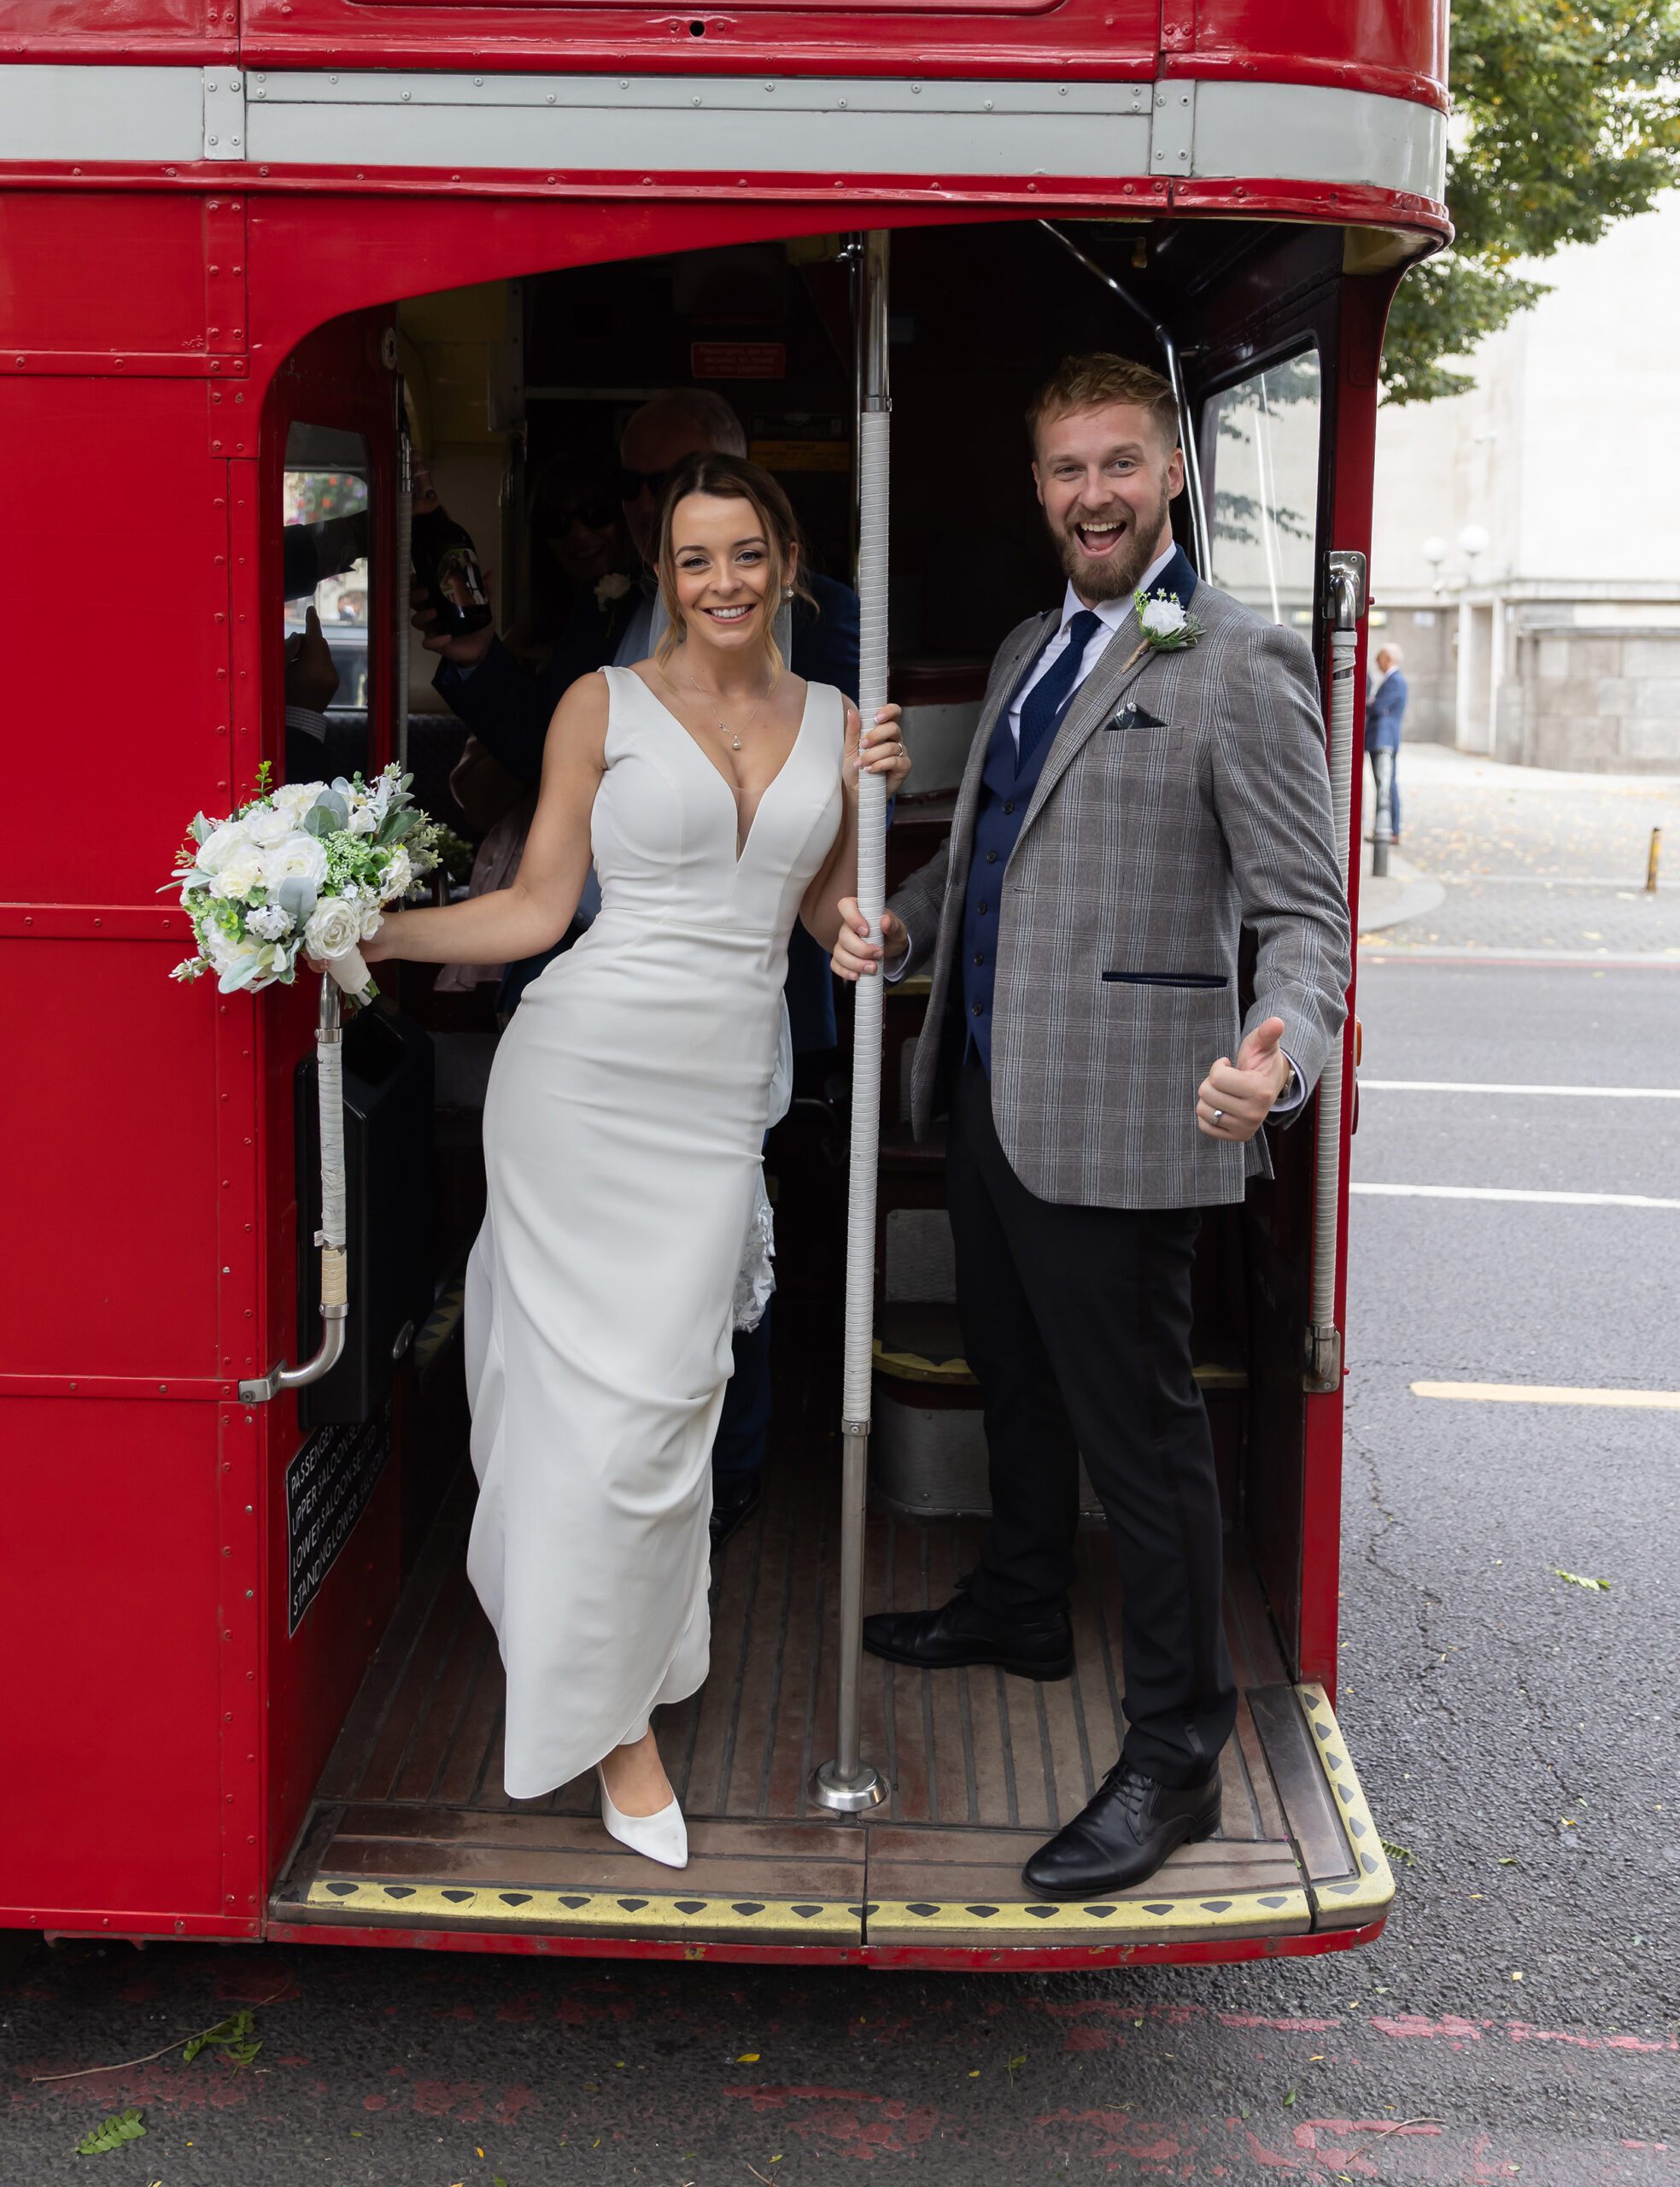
1235	1099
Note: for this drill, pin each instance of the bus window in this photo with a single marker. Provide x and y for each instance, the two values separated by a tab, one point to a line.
325	501
1266	488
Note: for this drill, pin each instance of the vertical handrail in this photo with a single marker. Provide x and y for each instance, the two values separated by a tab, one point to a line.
403	578
1324	1340
332	1237
848	1783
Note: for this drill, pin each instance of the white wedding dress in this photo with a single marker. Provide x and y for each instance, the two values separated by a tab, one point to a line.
623	1132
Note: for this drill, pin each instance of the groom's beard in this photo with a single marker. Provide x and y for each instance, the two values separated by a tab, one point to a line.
1116	576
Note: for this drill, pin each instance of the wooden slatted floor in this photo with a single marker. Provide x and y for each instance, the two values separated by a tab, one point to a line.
411	1822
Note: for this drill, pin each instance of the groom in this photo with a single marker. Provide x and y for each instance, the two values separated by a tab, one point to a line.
1142	785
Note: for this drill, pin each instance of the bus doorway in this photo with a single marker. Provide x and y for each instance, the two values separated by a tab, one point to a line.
388	1818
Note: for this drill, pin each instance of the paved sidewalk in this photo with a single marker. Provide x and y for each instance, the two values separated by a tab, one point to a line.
1525	859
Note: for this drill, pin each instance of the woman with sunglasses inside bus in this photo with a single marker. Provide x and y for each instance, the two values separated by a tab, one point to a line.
622	1129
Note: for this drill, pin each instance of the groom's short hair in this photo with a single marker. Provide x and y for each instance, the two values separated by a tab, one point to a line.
1094	381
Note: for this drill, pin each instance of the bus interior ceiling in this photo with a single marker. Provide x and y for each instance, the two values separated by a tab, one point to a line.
409	1823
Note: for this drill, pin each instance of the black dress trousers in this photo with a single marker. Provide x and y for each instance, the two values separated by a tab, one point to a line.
1076	1323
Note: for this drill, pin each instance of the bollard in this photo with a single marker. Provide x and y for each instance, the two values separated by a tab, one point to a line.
1653	859
1381	833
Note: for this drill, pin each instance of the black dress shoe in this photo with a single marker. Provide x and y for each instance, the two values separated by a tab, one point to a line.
1032	1643
730	1508
1123	1836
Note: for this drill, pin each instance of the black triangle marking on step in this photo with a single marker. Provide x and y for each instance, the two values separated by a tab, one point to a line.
1167	1908
399	1890
1040	1913
342	1890
805	1913
1338	1762
460	1898
574	1898
984	1912
1274	1901
863	1912
514	1897
1323	1730
1368	1862
1101	1913
922	1907
632	1905
690	1905
746	1906
1215	1905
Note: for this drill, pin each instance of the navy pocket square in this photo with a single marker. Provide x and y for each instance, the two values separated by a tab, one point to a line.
1134	717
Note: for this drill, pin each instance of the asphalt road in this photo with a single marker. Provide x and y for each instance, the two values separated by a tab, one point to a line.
1516	1733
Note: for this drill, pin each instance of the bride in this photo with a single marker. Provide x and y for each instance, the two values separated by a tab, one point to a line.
718	794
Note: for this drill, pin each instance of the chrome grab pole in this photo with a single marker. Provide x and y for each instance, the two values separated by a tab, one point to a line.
1200	554
330	1237
1346	588
848	1784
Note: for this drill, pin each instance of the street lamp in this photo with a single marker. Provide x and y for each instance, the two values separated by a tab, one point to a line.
1434	551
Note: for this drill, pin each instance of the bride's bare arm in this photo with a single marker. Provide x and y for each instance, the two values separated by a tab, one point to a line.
531	915
883	755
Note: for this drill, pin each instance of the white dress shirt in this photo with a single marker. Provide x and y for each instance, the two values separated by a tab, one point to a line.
1113	612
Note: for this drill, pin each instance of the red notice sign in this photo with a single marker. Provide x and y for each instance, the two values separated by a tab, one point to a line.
738	360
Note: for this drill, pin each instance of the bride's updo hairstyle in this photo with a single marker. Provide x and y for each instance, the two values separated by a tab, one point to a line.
732	478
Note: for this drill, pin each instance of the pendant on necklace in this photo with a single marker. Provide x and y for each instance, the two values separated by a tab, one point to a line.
735	744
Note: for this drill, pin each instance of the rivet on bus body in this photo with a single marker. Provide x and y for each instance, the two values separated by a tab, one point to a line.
988	106
250	1593
406	95
552	96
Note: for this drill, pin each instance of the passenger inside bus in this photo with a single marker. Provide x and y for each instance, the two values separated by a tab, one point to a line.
764	330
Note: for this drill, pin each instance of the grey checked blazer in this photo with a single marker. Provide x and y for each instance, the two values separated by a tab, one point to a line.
1185	795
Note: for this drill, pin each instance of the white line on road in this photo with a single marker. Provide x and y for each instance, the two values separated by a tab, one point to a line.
1540	1394
1468	1086
1501	1191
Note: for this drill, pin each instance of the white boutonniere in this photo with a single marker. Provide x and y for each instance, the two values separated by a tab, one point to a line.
1166	626
614	586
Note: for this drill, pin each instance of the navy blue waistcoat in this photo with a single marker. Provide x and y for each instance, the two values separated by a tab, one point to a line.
1005	792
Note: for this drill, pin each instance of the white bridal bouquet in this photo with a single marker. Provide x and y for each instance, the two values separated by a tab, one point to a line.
304	869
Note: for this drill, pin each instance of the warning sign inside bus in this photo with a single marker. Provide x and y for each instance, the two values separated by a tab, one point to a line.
328	1484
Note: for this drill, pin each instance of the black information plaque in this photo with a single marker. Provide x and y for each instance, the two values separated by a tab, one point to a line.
328	1484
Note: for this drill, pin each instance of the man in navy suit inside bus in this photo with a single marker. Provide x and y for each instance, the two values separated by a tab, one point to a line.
509	712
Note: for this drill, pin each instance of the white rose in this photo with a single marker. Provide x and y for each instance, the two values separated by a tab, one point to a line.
268	825
297	798
613	586
1161	618
300	856
224	841
241	873
333	929
399	878
363	821
372	918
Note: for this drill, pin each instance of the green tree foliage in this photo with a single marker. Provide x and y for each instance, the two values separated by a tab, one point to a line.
1566	118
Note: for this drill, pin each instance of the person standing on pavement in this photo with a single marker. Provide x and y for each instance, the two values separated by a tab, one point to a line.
509	712
1385	714
1148	778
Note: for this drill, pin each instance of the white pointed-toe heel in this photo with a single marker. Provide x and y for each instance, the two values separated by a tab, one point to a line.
662	1837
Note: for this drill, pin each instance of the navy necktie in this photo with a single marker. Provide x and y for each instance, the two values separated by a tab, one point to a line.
1042	709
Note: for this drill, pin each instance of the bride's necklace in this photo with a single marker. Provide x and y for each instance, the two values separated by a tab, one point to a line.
709	698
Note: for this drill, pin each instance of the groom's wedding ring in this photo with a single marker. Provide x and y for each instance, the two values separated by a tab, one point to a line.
1219	1116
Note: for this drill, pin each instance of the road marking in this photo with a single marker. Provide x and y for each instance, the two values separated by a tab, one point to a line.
1500	1192
1469	1086
1543	1393
1373	949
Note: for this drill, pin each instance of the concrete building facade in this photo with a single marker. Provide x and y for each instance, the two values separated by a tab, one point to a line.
1527	549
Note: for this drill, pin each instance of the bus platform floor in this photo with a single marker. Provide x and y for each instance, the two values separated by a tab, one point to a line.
411	1827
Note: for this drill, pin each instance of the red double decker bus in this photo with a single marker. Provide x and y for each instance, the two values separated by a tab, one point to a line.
251	249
